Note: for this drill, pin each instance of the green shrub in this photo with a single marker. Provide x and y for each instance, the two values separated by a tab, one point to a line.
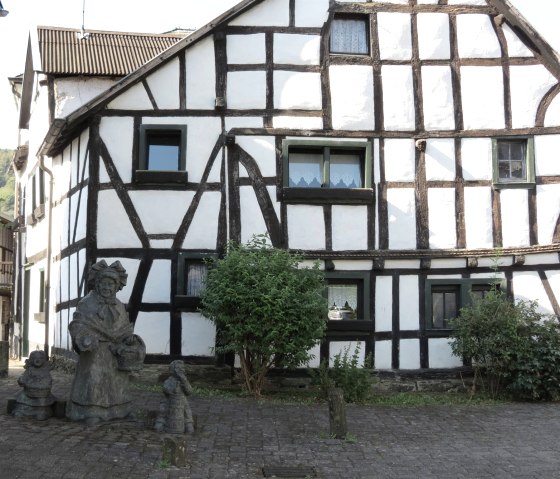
512	346
267	310
346	373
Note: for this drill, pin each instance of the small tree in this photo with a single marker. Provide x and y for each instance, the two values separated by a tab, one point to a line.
512	346
267	310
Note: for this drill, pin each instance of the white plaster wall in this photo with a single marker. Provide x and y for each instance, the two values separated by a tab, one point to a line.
476	156
297	49
440	159
263	150
311	13
272	13
554	282
352	97
306	227
447	263
198	335
409	354
515	217
246	90
75	275
400	159
546	150
478	217
433	36
134	98
64	280
548	210
488	262
157	289
476	37
72	93
441	218
482	92
252	221
528	286
246	49
243	122
552	117
200	68
341	347
298	122
437	92
541	259
383	354
315	360
402	264
273	196
63	212
153	328
402	218
117	134
398	97
409	316
349	227
440	355
383	303
516	48
394	30
351	265
79	228
161	244
203	231
161	212
35	240
164	85
528	84
131	267
297	90
114	229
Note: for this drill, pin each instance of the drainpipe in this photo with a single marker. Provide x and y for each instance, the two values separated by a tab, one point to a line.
49	253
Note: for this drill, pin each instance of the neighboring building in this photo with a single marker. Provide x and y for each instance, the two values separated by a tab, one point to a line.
64	69
6	277
410	147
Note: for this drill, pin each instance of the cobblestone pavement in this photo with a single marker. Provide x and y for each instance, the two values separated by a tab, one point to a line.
236	438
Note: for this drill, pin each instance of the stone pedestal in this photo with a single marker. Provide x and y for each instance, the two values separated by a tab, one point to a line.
4	358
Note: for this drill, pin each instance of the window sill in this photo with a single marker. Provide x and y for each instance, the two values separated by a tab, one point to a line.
350	325
160	177
525	185
328	195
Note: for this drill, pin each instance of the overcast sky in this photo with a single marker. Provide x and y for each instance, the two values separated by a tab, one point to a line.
148	16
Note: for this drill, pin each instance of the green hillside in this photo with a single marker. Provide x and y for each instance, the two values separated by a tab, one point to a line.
7	183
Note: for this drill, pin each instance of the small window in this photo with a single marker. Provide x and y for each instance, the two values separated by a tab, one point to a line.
513	162
347	296
162	153
349	35
445	305
191	274
445	298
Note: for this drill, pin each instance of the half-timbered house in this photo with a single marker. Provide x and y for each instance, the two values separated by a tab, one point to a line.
408	145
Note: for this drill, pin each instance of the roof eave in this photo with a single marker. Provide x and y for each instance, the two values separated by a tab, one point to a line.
52	145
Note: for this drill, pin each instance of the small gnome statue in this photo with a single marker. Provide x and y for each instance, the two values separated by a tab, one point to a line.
175	416
35	400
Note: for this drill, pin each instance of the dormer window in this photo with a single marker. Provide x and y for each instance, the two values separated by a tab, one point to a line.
350	35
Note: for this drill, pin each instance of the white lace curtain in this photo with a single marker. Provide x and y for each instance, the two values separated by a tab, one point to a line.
349	36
